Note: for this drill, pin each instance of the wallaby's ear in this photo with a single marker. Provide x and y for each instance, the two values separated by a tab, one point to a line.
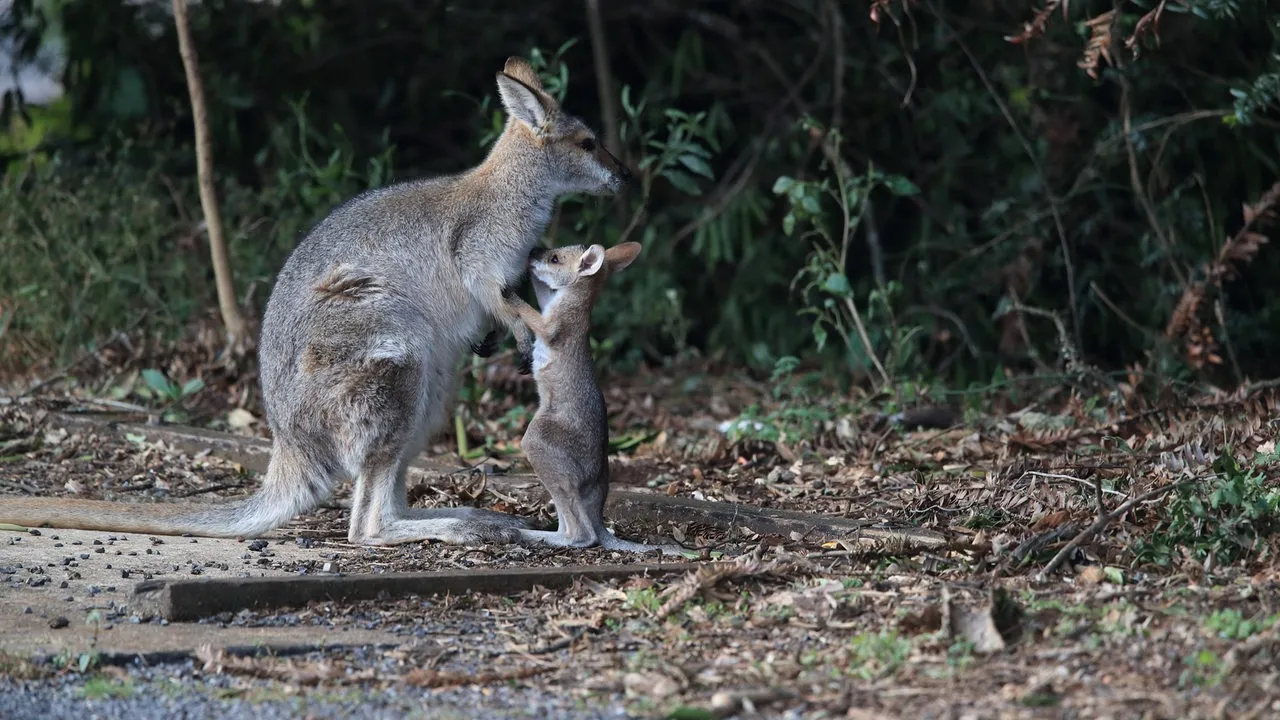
520	69
621	255
591	260
523	102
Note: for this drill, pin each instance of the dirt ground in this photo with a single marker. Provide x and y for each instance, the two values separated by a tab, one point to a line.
780	627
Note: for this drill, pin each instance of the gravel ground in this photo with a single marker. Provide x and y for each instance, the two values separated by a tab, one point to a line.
173	691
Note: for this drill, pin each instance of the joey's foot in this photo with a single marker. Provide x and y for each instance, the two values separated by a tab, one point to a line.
487	346
609	541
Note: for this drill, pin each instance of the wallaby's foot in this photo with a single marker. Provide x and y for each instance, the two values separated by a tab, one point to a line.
606	540
487	346
556	538
454	531
469	514
453	525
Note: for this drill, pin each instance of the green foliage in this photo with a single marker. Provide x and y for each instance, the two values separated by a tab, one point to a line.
102	688
951	174
167	393
1228	518
878	655
801	410
828	213
1231	624
113	242
1254	100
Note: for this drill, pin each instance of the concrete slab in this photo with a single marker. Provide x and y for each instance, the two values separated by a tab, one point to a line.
69	573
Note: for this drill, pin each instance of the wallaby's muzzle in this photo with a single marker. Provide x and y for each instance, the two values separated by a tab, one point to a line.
623	172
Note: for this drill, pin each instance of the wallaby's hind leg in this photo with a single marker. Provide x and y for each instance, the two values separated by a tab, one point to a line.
379	416
379	517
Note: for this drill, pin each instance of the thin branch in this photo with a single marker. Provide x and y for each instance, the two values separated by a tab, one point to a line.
1146	332
232	320
1059	225
1144	201
604	78
1105	520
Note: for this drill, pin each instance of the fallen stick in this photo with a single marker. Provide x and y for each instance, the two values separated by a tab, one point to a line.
1102	522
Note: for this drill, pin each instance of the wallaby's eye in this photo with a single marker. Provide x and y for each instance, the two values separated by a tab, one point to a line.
587	144
554	260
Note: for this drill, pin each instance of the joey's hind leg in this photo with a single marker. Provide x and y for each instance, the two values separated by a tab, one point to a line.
578	499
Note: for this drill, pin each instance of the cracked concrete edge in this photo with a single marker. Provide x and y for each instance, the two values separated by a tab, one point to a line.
186	600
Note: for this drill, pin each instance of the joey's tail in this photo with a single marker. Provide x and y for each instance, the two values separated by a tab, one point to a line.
290	487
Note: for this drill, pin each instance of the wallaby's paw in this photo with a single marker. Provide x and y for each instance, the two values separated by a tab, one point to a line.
487	346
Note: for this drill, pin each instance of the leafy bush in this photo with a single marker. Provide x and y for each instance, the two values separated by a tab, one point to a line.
1085	160
1226	520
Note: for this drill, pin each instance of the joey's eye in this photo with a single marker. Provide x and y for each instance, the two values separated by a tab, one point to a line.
554	260
587	144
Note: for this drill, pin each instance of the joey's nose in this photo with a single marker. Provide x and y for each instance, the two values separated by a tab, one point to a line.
537	253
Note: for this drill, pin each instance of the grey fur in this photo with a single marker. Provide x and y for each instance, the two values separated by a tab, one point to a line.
372	311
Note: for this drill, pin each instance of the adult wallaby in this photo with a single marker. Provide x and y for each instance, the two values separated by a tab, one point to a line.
567	440
365	327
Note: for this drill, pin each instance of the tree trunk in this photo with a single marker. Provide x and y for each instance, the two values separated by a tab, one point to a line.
238	338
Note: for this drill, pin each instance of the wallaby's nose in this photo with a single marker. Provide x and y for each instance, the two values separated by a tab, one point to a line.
624	173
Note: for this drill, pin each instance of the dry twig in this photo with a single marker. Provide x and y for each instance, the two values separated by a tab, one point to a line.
1105	520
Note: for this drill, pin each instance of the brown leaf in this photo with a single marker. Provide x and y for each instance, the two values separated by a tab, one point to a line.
1099	45
927	620
986	625
1051	520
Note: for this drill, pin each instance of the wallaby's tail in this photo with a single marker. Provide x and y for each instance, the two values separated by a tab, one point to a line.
290	487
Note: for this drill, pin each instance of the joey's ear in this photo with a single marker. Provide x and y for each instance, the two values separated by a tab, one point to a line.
522	102
520	69
621	255
591	261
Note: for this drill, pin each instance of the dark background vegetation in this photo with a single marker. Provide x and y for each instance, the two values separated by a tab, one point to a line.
939	168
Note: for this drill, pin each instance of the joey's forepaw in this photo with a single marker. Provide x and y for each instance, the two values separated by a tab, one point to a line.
487	346
525	363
